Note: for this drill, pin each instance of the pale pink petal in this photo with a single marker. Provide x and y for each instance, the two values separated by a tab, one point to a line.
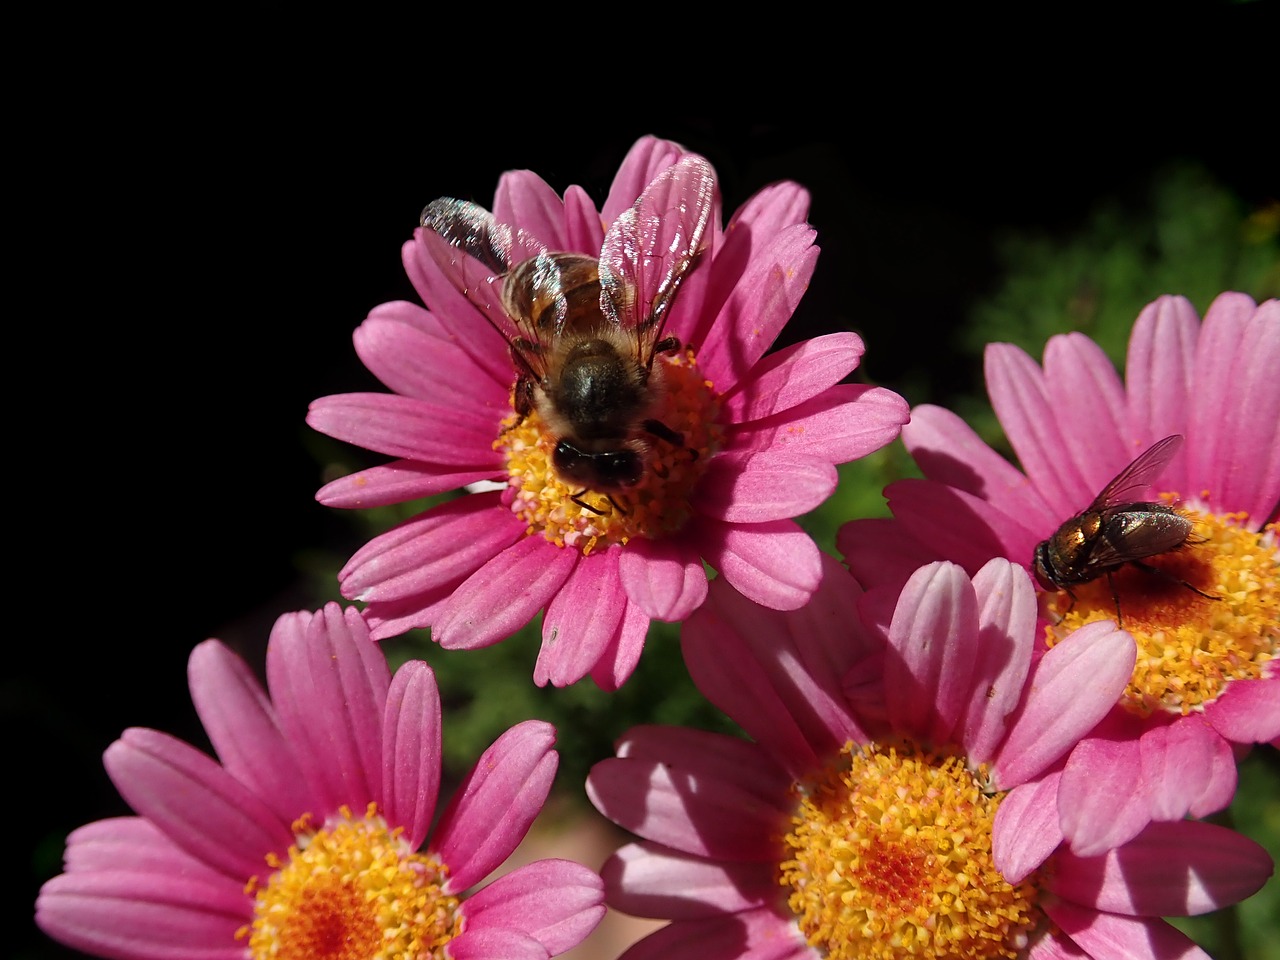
447	543
398	482
759	487
329	683
486	943
496	803
404	427
648	880
792	375
503	595
689	800
417	364
1026	829
1170	869
776	564
243	729
1006	623
880	551
1102	798
581	620
1070	689
198	805
556	902
761	934
1178	765
1248	711
619	659
1082	384
524	200
1049	943
411	751
1160	373
394	617
584	230
948	451
664	578
933	640
1105	936
144	915
845	422
760	305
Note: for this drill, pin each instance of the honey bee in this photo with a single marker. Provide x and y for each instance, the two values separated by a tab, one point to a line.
1116	529
584	331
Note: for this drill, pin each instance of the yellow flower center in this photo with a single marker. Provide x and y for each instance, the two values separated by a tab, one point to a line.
352	891
892	858
657	505
1189	647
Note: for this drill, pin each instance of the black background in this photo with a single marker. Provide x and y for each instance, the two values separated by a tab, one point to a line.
196	242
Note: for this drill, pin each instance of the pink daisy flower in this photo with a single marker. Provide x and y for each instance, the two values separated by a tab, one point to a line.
606	507
897	797
1206	675
304	842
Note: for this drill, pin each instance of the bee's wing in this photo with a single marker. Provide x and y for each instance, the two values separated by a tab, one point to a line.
477	253
650	248
1137	476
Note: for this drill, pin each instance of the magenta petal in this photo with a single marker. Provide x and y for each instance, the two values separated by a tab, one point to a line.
504	594
496	803
880	551
933	641
647	880
1161	377
647	158
133	844
244	731
584	233
524	200
1105	935
1170	869
399	426
411	751
396	482
664	578
329	683
1102	798
1179	766
1072	687
776	564
619	659
792	375
486	943
581	621
843	423
1247	711
437	548
1026	828
758	487
761	934
198	805
555	902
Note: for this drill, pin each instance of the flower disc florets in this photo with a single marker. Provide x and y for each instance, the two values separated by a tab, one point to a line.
1190	646
656	506
891	858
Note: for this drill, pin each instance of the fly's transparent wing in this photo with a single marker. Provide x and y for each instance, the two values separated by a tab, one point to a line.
1137	476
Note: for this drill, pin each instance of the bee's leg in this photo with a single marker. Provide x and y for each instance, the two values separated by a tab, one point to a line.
616	505
667	345
1116	598
577	498
661	430
1149	568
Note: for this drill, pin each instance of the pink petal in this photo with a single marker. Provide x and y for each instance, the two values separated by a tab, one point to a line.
1082	383
411	751
844	423
1161	376
1026	828
449	434
759	487
647	158
1179	766
880	551
329	683
1105	935
792	375
584	231
1070	689
555	902
1102	798
397	482
134	845
504	594
1006	630
752	935
1248	711
689	799
619	659
442	546
933	638
496	803
197	804
1252	483
242	726
524	200
776	564
648	880
1170	869
581	621
491	944
664	578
